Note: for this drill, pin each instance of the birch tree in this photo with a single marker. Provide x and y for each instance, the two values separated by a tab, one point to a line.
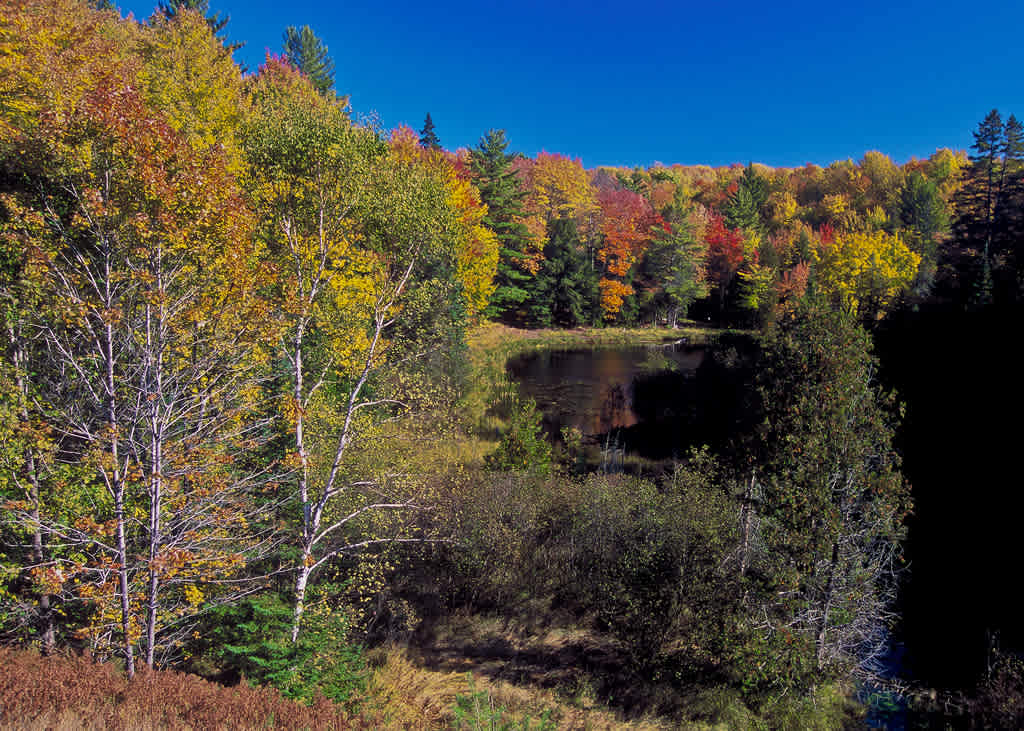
151	351
351	229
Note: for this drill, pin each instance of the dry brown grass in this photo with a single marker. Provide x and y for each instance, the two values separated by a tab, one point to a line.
409	696
58	692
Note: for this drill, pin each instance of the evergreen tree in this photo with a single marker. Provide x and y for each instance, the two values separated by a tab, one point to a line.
428	138
831	501
968	259
1008	239
171	8
563	283
675	265
491	166
986	165
308	54
743	209
923	213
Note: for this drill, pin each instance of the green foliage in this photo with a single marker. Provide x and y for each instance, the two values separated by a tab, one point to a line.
831	501
565	288
923	212
308	54
652	563
523	447
743	209
252	639
675	264
428	137
491	166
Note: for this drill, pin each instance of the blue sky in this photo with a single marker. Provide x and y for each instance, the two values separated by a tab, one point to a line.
620	83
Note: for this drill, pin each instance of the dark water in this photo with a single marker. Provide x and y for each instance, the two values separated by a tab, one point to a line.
594	390
961	439
653	401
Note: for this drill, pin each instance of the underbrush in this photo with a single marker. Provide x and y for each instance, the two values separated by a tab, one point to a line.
606	592
67	692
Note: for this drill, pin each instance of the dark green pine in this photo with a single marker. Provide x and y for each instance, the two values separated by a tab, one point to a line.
308	54
491	166
428	137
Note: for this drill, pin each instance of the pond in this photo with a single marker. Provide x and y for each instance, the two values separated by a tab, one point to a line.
595	390
654	401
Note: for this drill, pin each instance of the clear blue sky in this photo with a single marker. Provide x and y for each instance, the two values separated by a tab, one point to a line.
631	83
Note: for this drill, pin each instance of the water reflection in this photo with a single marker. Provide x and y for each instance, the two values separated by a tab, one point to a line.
594	390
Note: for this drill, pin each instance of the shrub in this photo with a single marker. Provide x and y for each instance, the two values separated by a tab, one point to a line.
523	446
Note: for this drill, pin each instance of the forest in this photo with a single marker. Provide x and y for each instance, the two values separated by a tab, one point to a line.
255	424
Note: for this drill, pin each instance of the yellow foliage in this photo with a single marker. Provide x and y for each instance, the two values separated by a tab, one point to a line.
783	208
558	187
476	246
191	77
477	254
864	271
613	292
836	204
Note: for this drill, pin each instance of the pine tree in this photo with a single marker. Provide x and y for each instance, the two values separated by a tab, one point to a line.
491	166
308	54
428	138
171	8
969	258
988	143
1011	208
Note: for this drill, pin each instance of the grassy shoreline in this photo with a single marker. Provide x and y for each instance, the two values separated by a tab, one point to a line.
492	336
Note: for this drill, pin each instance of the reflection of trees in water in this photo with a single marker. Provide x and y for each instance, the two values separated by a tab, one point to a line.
594	390
616	408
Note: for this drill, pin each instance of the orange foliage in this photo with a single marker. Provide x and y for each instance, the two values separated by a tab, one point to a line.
626	224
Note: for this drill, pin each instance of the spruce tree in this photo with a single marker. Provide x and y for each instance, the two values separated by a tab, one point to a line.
491	166
743	209
674	263
428	138
308	54
562	283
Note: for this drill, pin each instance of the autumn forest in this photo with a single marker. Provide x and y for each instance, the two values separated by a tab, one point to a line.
255	423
